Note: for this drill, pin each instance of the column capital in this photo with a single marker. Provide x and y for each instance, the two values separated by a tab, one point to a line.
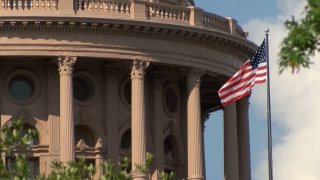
65	64
112	73
194	77
158	79
138	69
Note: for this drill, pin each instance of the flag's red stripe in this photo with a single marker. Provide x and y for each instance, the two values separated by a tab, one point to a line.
243	71
233	84
235	99
237	90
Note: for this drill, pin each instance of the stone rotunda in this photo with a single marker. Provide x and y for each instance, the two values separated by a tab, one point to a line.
105	79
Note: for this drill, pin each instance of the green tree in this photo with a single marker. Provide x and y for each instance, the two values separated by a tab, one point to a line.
303	39
12	139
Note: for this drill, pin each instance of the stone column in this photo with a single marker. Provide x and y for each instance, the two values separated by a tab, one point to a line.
195	169
231	163
204	118
66	109
138	118
244	139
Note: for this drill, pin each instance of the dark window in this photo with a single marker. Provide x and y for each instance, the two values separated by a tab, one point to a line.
171	100
81	132
33	164
127	91
168	148
126	140
82	89
21	88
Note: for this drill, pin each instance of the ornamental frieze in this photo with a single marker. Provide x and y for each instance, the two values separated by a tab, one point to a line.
186	35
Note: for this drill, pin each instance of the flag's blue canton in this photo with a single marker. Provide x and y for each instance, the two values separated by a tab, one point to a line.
260	56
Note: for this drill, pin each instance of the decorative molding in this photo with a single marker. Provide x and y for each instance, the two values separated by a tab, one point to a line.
208	38
112	73
82	145
158	79
65	64
138	69
194	77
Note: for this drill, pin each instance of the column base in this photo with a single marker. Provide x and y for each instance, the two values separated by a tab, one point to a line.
139	176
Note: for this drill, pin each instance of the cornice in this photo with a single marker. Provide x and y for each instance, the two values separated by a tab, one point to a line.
190	35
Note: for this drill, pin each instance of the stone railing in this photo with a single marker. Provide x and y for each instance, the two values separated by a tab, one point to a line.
167	12
27	5
213	21
142	11
240	32
107	6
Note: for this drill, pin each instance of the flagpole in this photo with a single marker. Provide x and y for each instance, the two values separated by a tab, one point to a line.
269	109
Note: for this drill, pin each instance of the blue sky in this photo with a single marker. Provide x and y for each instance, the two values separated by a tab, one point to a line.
295	116
242	11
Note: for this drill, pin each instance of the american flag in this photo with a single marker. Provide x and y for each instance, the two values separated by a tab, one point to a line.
253	71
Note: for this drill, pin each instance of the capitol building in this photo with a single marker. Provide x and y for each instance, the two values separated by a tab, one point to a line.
107	79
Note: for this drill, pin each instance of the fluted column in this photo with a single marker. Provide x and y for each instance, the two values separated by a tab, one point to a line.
138	117
204	118
231	162
195	169
66	108
243	139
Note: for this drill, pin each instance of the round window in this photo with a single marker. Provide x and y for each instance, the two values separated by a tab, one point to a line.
171	100
82	89
21	88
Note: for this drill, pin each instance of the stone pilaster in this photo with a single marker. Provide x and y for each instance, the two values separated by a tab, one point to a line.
66	108
231	162
195	162
53	113
243	139
112	75
138	117
158	82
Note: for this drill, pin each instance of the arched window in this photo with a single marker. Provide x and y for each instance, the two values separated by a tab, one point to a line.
85	134
170	148
126	140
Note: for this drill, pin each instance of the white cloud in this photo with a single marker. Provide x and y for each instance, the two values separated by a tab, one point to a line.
295	105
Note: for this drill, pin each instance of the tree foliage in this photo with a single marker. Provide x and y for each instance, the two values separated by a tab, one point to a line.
13	142
303	39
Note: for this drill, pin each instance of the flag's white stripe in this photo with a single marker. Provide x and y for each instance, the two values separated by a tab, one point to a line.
238	86
247	74
235	95
247	83
260	78
226	89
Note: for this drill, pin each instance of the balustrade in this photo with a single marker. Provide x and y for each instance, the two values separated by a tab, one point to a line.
122	7
213	21
29	4
169	12
161	13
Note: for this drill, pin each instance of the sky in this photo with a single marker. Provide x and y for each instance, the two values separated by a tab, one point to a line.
295	99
